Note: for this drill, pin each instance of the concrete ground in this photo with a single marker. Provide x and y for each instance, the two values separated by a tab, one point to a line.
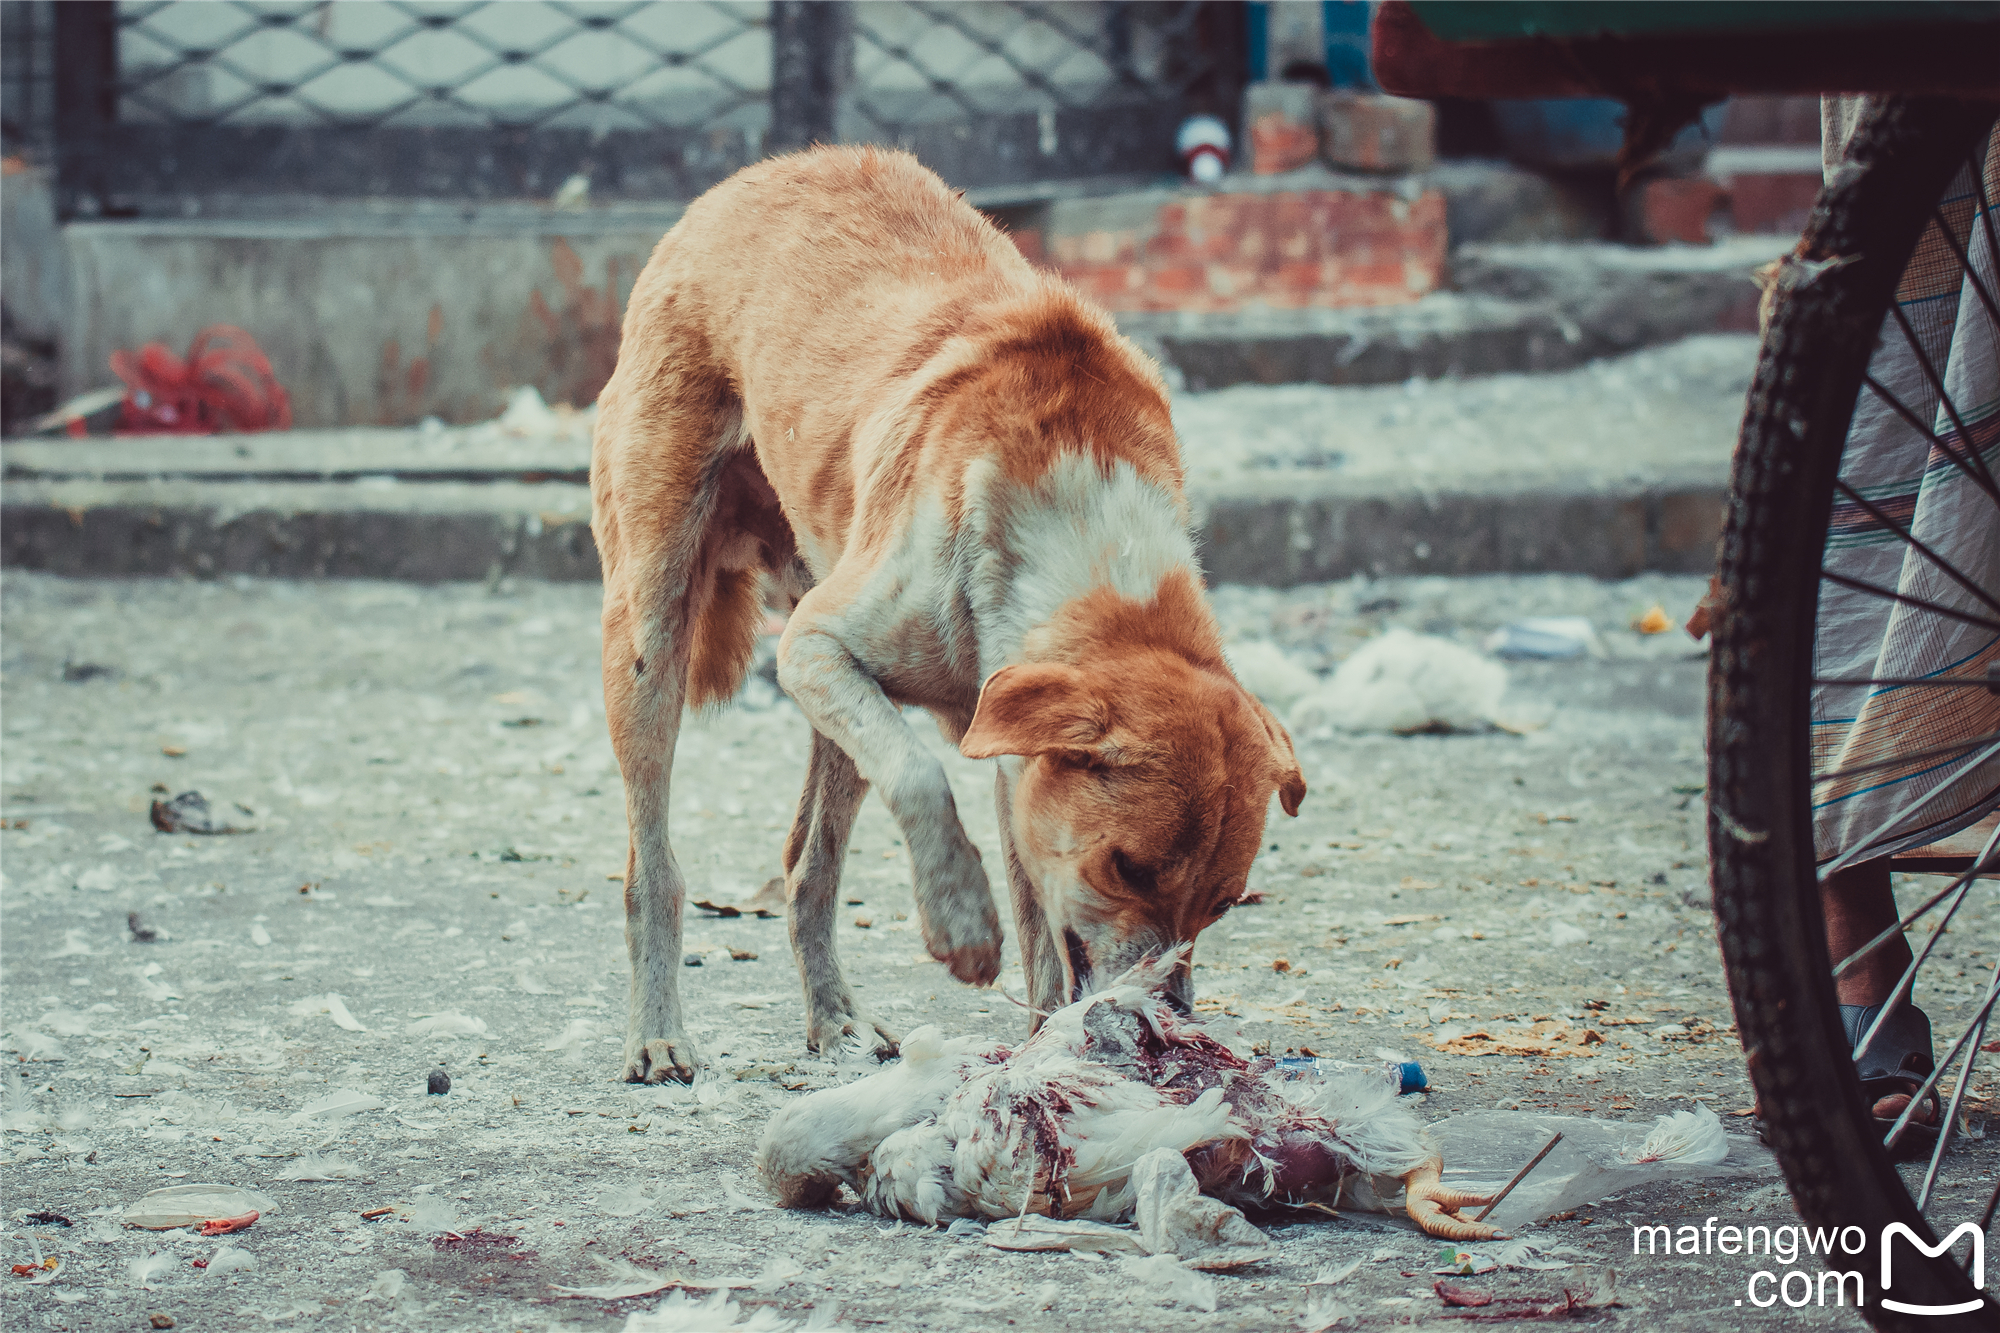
435	822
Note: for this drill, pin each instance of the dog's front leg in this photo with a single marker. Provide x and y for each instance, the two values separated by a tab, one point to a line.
844	704
1040	961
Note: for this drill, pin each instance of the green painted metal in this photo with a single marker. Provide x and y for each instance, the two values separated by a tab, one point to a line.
1503	20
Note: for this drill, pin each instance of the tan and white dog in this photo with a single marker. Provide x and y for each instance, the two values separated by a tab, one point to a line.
840	387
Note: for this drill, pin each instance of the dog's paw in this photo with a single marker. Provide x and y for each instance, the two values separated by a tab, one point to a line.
828	1034
961	929
661	1058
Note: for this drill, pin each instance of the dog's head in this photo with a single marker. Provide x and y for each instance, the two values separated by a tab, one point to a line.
1139	802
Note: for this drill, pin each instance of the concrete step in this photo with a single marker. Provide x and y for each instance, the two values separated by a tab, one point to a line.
1611	469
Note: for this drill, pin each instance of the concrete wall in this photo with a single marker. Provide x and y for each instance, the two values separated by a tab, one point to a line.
371	323
34	271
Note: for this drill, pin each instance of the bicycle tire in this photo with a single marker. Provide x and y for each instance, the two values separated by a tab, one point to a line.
1862	232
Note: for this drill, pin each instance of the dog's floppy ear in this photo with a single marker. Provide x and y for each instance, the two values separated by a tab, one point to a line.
1036	708
1291	780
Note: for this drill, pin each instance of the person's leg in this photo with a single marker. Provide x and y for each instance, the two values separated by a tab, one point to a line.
1858	904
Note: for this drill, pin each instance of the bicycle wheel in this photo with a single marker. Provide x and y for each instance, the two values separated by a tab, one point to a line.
1767	797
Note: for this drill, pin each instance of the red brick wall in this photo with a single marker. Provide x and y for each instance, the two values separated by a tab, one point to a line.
1231	251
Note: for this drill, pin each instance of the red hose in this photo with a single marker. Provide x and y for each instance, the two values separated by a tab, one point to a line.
225	384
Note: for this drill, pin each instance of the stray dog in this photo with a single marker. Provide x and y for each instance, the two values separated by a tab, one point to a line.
842	391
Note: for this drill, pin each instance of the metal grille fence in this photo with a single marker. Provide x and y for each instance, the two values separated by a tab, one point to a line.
517	65
178	106
27	83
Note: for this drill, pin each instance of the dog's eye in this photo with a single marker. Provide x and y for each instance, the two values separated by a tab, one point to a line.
1223	910
1139	877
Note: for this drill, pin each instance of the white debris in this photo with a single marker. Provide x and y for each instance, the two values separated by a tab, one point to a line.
1562	932
573	1037
337	1103
73	946
527	414
1270	673
1404	682
733	1194
719	1314
258	935
1033	1232
66	1023
448	1024
387	1286
1160	1278
1554	637
191	1205
314	1167
1176	1218
32	1045
1323	1315
627	1279
155	990
627	1202
779	1272
146	1268
1695	1137
229	1259
433	1215
331	1004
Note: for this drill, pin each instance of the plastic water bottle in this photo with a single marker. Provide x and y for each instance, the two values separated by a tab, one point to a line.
1405	1076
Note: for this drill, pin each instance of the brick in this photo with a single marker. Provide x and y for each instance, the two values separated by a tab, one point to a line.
1099	247
1773	202
1672	209
1285	249
1282	134
1769	120
1375	132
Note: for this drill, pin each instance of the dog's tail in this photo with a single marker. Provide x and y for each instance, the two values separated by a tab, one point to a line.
724	636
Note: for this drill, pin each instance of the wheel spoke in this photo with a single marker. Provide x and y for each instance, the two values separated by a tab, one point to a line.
1934	752
1937	608
1902	925
1944	566
1965	263
1904	983
1951	1113
1937	385
1840	862
1978	477
1979	1020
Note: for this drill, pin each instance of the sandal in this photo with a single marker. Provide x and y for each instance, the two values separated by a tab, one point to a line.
1896	1064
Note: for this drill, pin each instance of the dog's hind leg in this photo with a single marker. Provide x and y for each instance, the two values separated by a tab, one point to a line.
814	854
655	476
645	676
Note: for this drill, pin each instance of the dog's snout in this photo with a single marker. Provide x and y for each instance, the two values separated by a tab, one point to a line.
1180	992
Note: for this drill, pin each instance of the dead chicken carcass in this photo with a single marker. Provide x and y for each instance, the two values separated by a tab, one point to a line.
970	1128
